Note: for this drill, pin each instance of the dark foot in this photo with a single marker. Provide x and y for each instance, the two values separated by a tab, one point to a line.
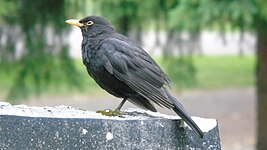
109	112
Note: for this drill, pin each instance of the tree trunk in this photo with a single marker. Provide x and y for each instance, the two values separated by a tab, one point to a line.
262	83
124	25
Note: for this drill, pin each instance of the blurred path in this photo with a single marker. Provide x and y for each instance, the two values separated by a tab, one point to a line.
233	108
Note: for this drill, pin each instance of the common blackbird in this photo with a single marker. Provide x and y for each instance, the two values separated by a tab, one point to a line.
122	68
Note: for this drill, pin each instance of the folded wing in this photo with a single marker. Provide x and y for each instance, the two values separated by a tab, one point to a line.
134	67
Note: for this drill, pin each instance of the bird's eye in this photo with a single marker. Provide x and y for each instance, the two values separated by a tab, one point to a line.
89	23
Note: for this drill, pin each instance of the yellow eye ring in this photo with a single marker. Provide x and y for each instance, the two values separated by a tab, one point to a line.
89	23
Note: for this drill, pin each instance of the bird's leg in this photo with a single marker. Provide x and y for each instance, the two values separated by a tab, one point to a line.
120	105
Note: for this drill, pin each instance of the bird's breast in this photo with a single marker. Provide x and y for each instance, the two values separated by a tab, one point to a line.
95	68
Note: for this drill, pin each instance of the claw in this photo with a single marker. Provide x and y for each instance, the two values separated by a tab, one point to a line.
109	112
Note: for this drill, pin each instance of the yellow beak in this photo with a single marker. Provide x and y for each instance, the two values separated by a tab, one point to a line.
74	22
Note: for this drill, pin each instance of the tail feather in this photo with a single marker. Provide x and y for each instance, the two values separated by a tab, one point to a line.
179	109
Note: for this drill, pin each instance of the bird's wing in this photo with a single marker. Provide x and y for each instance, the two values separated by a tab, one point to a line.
133	66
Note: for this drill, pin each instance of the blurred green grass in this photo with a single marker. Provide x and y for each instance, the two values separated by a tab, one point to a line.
225	71
214	72
211	72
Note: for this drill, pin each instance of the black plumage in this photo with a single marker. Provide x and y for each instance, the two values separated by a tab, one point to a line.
122	68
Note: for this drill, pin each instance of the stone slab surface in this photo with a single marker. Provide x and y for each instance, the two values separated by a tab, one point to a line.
80	129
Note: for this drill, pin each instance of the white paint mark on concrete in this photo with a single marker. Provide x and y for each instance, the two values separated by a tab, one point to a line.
84	131
109	136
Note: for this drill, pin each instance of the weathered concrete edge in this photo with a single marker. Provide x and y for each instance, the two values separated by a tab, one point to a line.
83	133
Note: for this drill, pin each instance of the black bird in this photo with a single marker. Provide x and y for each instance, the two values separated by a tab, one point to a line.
122	68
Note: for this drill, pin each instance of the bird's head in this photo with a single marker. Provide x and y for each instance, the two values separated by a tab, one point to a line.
91	25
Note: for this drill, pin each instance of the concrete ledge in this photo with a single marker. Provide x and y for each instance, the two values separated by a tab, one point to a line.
63	127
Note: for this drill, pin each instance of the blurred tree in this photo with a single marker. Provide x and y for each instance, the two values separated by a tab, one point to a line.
44	59
261	30
132	15
246	15
124	13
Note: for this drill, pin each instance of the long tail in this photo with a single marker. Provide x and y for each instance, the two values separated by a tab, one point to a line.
179	109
